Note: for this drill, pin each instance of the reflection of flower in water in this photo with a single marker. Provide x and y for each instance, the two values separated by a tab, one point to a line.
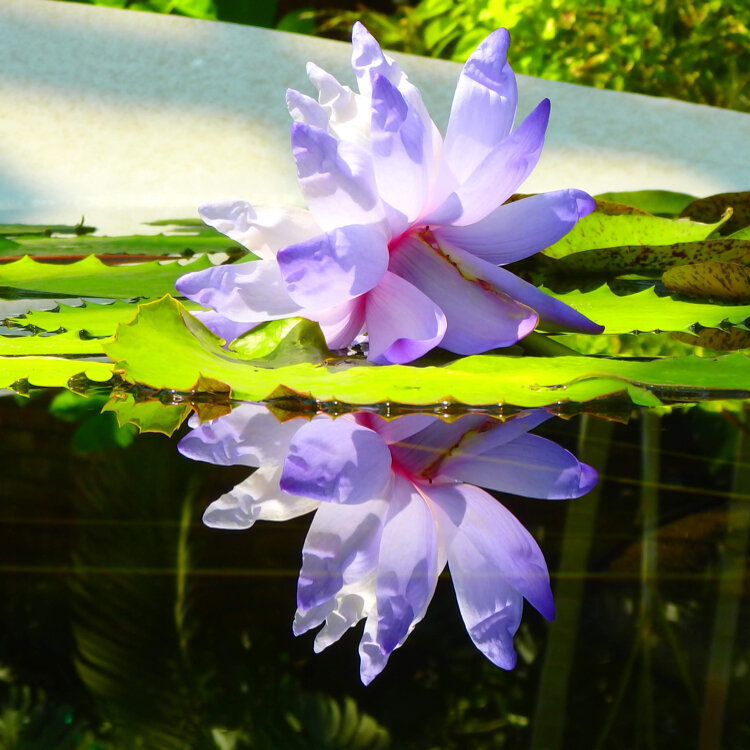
405	232
392	509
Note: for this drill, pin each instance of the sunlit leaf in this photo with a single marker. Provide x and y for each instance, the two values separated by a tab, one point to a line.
63	344
92	278
88	319
51	372
647	311
713	280
283	342
134	245
166	348
600	229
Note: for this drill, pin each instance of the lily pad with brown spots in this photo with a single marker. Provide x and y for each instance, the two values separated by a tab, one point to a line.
711	208
713	281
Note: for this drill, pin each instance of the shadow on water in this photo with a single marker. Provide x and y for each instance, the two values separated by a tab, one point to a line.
127	623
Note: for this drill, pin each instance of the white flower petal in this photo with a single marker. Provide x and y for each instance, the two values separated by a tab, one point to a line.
261	229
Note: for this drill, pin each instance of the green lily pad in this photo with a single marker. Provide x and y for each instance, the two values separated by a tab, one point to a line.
165	348
159	244
656	202
712	280
599	230
711	208
50	372
86	320
647	311
63	344
283	342
90	277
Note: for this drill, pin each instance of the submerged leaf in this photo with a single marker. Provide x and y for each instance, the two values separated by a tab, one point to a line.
712	280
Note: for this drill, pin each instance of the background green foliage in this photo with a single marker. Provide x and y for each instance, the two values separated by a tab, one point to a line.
697	50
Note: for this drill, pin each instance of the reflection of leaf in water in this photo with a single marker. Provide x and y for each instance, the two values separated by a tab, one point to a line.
29	720
129	600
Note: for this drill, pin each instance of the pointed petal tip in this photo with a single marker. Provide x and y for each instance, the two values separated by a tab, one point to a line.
589	478
585	204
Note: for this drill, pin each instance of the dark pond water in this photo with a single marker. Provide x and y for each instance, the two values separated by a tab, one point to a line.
127	623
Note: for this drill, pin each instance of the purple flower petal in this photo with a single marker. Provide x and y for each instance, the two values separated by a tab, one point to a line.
336	461
395	430
341	324
223	327
553	314
530	465
498	536
334	267
336	179
251	292
248	436
368	60
341	548
499	175
305	109
402	322
479	316
402	155
500	433
407	574
258	498
261	229
424	450
519	229
337	100
484	106
350	605
490	607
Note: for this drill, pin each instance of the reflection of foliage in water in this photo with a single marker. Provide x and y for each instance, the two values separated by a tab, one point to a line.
179	641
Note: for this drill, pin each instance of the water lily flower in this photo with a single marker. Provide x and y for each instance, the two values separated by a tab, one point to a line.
395	501
406	233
